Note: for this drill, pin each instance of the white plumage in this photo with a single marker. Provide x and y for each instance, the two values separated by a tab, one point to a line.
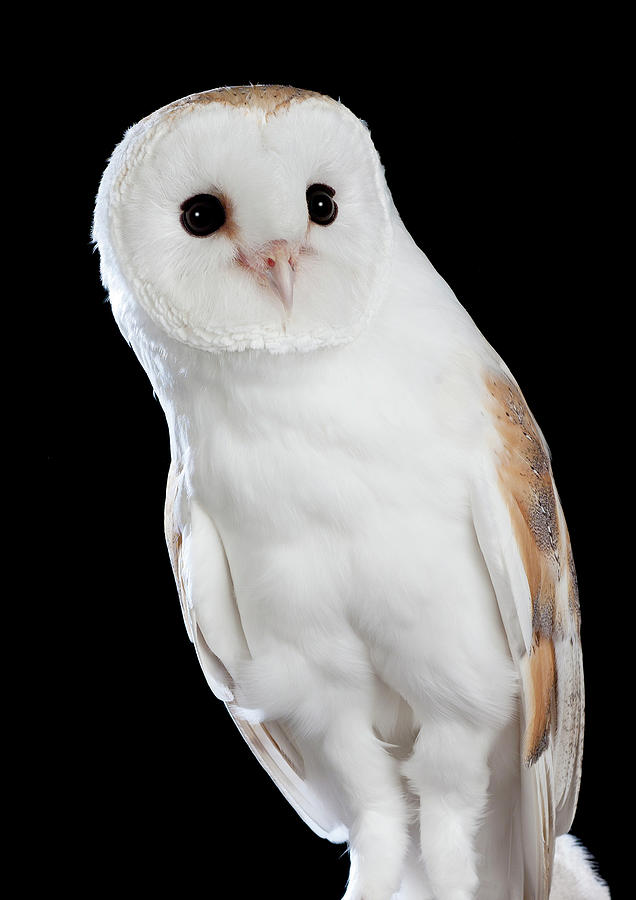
371	557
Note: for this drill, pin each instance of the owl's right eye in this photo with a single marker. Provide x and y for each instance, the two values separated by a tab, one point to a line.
202	215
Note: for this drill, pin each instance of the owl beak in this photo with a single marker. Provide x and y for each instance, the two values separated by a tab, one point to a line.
280	274
274	265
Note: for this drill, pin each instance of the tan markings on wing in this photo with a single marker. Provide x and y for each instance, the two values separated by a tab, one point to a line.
526	481
573	585
543	681
295	764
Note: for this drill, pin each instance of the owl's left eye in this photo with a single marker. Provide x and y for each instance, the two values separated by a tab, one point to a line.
202	215
322	208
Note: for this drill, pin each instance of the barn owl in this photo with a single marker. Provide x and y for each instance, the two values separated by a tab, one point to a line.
372	561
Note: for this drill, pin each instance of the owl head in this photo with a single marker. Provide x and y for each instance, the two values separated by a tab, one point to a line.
246	218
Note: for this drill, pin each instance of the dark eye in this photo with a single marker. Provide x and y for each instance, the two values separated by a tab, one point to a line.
202	215
323	209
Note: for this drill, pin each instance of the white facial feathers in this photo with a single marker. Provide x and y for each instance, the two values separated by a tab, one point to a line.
215	292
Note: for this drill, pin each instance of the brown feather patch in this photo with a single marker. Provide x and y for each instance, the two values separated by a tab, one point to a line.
270	98
526	482
542	699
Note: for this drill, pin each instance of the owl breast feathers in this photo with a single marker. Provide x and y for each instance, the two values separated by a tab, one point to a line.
372	561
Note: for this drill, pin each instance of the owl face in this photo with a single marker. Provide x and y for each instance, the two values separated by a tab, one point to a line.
247	218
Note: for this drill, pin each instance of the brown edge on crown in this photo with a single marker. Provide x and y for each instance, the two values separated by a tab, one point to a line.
269	98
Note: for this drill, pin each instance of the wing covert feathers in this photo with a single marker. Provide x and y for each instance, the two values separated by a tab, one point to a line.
526	483
174	539
213	623
524	539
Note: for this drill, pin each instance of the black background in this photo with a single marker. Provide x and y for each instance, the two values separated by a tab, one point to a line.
500	160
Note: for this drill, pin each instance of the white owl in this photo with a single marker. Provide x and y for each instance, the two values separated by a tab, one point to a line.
372	560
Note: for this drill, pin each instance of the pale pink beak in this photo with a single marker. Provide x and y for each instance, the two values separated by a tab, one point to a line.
273	265
280	274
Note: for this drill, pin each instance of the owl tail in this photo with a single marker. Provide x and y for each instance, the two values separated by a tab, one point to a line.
575	877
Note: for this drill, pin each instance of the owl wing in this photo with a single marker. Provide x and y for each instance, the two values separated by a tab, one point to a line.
213	623
523	537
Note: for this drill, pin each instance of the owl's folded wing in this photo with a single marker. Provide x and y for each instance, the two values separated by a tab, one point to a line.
214	626
523	537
